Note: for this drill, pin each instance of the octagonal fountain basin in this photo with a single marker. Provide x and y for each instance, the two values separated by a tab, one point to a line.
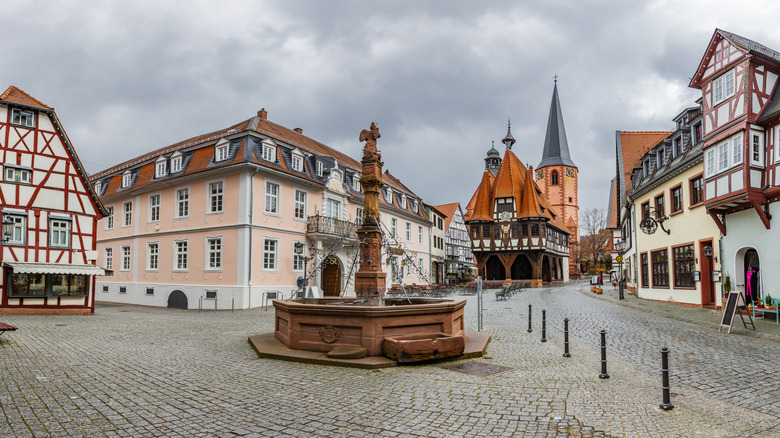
325	323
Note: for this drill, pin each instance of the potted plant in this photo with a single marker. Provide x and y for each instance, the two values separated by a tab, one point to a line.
768	300
726	286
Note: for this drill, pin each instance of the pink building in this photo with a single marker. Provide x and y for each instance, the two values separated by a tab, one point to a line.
214	221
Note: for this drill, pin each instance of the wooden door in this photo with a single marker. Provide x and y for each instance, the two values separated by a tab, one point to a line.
707	289
331	278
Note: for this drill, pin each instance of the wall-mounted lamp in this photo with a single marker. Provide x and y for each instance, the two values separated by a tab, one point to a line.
708	253
8	229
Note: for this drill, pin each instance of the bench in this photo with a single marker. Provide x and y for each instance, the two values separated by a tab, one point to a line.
763	310
503	294
6	328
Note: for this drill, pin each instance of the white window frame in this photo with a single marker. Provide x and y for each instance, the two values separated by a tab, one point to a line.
17	175
319	167
154	209
272	200
212	250
419	234
723	87
270	254
300	205
109	225
727	154
20	229
724	152
153	256
297	162
216	197
182	204
127	255
329	205
356	183
21	117
359	215
757	135
298	261
160	168
127	179
221	153
737	151
408	232
181	255
108	258
777	143
269	153
59	228
403	202
394	227
176	162
127	214
389	195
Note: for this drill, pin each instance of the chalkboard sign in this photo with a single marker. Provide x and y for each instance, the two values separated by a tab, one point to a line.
731	308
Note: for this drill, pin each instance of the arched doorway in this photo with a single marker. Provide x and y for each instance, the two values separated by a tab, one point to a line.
177	300
494	269
331	277
752	276
521	268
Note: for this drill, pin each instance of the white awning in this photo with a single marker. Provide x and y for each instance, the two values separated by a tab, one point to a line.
54	268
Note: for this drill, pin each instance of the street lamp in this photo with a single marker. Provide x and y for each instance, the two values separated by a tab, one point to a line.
8	229
303	281
621	246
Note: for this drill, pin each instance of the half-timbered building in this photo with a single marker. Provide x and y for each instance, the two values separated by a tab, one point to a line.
738	78
49	211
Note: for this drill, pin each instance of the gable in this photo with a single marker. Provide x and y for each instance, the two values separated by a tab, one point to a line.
721	55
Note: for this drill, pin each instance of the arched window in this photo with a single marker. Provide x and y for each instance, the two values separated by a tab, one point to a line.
554	177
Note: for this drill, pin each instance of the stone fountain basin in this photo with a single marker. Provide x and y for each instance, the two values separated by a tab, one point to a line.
324	324
418	348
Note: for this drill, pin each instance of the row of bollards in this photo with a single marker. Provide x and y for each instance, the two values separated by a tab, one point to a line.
665	405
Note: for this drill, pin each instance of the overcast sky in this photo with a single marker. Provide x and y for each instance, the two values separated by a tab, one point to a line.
440	78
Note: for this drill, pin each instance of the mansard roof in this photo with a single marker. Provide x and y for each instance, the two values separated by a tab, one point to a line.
556	147
745	45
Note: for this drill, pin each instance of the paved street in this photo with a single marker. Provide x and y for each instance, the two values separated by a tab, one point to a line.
134	371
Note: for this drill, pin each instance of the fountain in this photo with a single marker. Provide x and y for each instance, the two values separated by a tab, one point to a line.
404	329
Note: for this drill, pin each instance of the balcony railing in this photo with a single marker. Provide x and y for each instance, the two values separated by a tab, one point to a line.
329	225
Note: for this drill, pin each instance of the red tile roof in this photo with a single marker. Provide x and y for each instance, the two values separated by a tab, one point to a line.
16	95
634	146
448	210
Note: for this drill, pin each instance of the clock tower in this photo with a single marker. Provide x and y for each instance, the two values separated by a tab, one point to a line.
557	174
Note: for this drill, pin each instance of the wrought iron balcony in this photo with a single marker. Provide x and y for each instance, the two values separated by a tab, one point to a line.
328	225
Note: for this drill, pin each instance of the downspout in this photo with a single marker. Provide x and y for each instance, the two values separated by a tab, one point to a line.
636	249
251	230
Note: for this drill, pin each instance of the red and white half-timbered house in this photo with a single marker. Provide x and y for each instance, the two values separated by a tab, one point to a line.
738	78
49	214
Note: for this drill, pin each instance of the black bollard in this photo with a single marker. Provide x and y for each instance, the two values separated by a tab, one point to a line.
544	325
667	404
604	374
529	319
566	338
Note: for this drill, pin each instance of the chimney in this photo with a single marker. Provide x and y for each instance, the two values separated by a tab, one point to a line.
298	130
263	114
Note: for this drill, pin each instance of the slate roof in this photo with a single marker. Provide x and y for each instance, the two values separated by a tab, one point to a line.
556	147
751	46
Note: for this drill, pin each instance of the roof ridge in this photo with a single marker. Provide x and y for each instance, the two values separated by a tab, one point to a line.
8	93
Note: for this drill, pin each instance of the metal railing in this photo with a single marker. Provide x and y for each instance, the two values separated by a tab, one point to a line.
329	225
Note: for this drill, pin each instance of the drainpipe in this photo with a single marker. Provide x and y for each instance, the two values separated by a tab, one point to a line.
251	230
637	261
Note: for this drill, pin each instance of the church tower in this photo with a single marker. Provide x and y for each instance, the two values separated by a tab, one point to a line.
557	174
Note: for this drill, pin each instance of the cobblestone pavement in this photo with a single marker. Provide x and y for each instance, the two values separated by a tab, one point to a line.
134	371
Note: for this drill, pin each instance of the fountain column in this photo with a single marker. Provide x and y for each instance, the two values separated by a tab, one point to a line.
370	280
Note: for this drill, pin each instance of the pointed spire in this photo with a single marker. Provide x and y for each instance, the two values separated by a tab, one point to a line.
556	148
508	140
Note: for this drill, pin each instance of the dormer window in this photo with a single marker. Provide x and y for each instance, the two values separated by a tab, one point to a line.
505	204
677	148
160	168
297	162
221	153
659	159
319	168
127	178
356	183
176	162
389	195
23	118
403	201
269	151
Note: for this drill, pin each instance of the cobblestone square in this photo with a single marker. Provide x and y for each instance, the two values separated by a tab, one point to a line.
136	371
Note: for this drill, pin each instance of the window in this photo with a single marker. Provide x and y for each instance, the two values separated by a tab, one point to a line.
723	87
660	268
297	163
356	183
149	291
645	279
403	202
160	169
389	197
122	289
211	295
182	203
108	258
677	149
22	118
394	227
723	156
298	259
408	231
181	251
697	190
221	153
534	229
419	234
554	178
125	258
710	158
736	147
127	214
152	255
127	179
696	133
105	288
271	198
485	231
514	231
215	197
176	163
319	168
214	253
97	186
53	285
110	218
659	206
59	233
270	254
677	199
269	153
17	175
645	210
299	208
154	208
645	168
496	232
683	266
659	159
757	149
333	209
19	233
524	230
